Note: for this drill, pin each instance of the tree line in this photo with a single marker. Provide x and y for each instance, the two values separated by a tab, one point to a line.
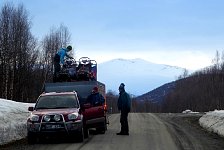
201	91
25	62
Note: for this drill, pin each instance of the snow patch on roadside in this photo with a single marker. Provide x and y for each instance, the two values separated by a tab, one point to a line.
188	111
13	117
213	122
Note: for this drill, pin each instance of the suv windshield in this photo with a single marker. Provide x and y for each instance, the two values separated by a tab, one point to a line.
57	101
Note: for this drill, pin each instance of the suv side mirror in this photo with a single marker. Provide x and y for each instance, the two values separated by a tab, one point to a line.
30	108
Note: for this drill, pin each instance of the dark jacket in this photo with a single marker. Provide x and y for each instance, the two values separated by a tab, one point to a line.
95	99
124	102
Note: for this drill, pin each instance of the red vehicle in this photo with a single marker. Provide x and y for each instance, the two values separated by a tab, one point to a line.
93	117
81	76
56	114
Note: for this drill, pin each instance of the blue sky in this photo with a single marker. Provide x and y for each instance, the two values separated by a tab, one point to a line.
183	33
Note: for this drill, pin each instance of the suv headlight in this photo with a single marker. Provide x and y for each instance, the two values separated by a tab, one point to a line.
34	118
73	116
47	118
57	117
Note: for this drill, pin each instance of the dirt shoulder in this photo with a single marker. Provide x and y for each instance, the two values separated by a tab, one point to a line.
188	134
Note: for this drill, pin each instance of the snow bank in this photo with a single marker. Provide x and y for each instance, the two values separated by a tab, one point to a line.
213	122
13	117
188	111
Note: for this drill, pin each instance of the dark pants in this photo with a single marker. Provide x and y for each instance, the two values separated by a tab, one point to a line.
124	122
57	66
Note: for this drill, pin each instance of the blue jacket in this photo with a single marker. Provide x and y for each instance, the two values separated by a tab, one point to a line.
62	53
124	102
95	99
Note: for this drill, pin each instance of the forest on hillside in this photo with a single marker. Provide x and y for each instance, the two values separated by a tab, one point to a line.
201	91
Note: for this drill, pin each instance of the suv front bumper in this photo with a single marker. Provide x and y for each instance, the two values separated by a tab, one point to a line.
68	128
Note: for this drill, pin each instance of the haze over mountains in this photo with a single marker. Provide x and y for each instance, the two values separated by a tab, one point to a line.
139	76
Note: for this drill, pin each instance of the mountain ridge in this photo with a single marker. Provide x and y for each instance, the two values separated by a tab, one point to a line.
159	94
140	76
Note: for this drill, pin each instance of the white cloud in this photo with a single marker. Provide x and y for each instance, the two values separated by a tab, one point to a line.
185	59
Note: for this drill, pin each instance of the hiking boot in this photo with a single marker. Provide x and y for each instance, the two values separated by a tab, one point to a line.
122	133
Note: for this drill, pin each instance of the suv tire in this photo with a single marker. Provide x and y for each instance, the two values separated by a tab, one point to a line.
80	136
86	132
31	138
102	129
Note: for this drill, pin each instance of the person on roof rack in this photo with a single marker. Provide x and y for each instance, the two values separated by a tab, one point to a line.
59	59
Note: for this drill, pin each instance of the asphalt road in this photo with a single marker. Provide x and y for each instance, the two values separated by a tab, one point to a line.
147	132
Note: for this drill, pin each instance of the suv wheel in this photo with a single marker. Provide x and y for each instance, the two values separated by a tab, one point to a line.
31	138
102	129
80	136
86	132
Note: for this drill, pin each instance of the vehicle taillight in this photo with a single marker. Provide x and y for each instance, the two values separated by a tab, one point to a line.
105	107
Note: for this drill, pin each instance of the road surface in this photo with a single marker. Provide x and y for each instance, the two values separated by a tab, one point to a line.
147	132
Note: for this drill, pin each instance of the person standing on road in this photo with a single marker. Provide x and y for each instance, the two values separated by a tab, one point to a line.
124	106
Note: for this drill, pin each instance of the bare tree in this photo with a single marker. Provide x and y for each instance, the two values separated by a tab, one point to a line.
51	43
5	40
112	102
17	52
216	61
184	74
64	36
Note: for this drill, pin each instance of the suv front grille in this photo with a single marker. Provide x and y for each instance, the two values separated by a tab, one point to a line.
52	124
52	118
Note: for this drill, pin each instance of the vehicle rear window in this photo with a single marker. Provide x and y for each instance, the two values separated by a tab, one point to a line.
57	102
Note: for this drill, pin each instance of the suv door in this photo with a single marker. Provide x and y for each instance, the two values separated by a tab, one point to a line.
94	112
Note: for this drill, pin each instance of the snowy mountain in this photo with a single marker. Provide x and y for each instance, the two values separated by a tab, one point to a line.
139	76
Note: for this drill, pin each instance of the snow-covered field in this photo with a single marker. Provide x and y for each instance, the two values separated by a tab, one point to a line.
13	117
213	122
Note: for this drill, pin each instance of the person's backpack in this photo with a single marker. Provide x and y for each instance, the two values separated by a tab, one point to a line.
57	58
